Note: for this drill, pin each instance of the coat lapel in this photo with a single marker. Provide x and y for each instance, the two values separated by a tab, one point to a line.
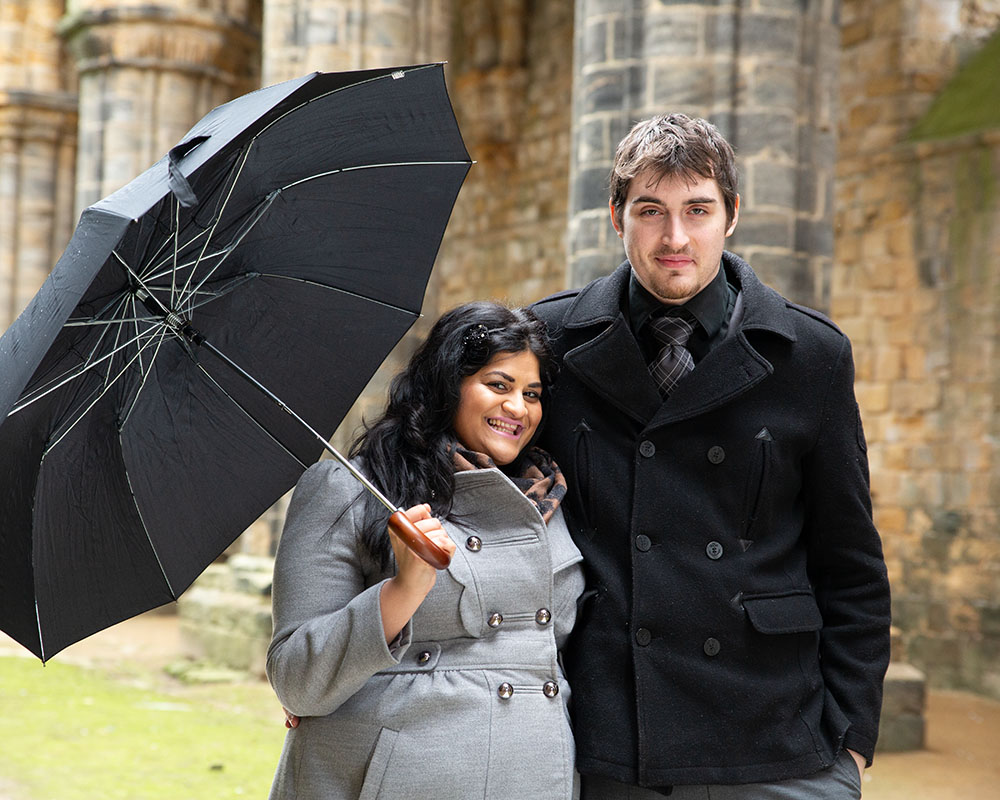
611	364
734	366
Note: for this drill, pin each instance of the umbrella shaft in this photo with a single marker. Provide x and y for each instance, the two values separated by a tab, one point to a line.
284	407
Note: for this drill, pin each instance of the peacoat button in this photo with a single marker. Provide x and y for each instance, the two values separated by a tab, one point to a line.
643	637
714	550
550	688
716	454
647	448
642	543
495	620
505	691
712	647
474	543
542	616
424	657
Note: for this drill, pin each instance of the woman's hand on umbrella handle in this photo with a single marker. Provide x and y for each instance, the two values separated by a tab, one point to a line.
422	534
402	594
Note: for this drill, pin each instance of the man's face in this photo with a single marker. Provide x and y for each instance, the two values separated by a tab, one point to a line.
674	233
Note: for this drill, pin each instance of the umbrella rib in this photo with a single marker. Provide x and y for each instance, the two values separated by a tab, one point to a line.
165	262
395	75
50	445
41	639
259	212
252	418
371	166
145	529
210	296
374	490
145	371
83	323
114	307
247	227
71	375
234	174
347	292
177	235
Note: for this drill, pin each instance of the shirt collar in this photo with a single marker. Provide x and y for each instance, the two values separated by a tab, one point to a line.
708	307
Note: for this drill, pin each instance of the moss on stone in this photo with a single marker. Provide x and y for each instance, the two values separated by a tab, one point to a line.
970	102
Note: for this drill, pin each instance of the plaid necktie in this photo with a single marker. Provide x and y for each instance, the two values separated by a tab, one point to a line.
674	360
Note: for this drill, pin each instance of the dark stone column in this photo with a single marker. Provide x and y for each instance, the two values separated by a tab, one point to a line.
764	73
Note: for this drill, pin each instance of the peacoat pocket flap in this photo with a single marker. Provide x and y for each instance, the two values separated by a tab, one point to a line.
784	612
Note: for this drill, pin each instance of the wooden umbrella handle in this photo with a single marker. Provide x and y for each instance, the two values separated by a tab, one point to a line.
417	542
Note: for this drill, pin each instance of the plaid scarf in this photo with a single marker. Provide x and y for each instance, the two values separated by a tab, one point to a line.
541	479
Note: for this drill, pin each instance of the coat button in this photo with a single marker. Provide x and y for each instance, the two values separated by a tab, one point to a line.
474	543
714	550
647	448
424	657
712	647
495	620
642	543
643	637
716	454
505	691
550	688
542	616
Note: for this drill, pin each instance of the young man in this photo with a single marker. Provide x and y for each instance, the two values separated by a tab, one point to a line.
735	634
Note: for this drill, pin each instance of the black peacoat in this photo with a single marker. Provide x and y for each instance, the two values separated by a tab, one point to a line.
736	624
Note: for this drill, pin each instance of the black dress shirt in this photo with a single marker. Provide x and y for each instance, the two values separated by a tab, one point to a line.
711	308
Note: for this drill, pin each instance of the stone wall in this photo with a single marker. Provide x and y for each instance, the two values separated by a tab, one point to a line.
543	90
38	118
916	288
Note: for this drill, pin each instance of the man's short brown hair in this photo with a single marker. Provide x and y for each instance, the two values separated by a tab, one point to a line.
676	145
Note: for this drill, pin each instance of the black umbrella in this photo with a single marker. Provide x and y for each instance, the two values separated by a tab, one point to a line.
286	243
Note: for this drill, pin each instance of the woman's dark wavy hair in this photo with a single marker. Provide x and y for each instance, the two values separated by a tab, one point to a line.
406	451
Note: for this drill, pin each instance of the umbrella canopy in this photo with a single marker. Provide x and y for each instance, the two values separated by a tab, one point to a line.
292	233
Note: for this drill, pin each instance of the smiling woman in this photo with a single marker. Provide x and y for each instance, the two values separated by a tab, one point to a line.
404	681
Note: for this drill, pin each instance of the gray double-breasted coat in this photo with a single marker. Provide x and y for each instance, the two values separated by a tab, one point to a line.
470	700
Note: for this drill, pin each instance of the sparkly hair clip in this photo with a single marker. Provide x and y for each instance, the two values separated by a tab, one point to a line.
475	343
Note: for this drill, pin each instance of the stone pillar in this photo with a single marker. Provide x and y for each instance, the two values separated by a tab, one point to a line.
511	84
763	72
147	73
37	146
302	36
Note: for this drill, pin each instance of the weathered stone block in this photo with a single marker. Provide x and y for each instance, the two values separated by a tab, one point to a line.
611	89
901	734
682	84
226	627
676	33
904	690
590	190
770	35
903	702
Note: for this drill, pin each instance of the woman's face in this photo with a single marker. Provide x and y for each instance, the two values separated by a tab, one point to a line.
500	406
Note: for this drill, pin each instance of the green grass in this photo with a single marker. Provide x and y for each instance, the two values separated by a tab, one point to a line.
71	733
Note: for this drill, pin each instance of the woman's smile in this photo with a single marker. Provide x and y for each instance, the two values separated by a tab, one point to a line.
505	427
